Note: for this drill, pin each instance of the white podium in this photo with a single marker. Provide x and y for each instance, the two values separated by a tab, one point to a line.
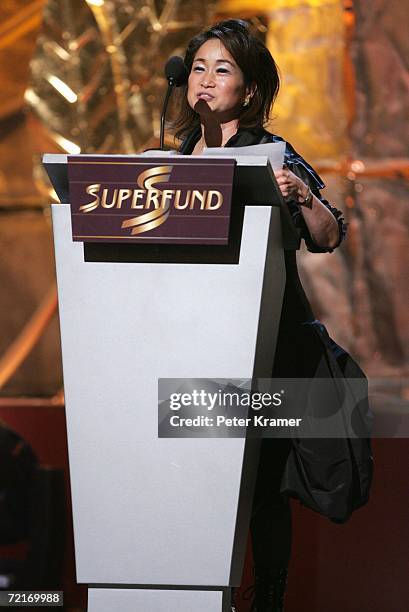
161	525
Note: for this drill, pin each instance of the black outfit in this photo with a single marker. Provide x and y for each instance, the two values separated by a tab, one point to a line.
304	350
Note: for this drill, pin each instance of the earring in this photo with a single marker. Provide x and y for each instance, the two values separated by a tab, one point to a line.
247	100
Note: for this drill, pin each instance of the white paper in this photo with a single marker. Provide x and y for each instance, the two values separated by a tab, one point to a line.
273	150
158	153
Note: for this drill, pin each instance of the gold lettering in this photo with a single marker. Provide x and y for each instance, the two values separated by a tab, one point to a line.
217	204
186	202
152	198
123	194
137	195
200	196
92	190
167	194
177	198
104	202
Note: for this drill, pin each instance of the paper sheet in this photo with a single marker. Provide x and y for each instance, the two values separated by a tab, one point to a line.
273	150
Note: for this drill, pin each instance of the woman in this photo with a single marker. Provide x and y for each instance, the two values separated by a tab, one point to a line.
233	82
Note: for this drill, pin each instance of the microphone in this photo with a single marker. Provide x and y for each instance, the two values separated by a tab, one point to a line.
176	75
175	71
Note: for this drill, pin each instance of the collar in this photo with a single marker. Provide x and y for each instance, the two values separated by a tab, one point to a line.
244	137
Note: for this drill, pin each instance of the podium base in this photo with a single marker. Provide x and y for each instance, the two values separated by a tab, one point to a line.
158	600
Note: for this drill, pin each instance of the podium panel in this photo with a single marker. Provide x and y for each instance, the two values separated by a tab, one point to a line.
151	511
146	600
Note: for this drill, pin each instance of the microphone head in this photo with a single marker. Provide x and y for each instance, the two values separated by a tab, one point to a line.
176	71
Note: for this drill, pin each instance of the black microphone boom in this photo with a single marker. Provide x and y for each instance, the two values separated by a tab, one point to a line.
176	75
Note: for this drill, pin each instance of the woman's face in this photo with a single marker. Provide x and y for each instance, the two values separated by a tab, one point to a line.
216	84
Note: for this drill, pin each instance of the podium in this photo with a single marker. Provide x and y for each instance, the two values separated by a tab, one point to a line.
161	525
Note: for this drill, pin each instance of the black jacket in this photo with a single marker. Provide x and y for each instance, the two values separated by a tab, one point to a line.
296	308
332	477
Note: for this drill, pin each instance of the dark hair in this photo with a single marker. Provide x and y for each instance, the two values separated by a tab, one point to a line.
254	60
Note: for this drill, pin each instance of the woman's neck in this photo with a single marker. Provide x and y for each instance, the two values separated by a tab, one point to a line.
216	134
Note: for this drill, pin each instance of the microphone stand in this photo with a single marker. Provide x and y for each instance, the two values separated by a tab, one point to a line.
171	84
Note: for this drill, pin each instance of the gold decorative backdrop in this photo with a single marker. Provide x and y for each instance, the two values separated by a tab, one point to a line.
86	75
80	75
97	73
307	40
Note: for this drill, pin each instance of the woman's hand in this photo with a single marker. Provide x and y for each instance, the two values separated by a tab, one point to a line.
320	221
291	186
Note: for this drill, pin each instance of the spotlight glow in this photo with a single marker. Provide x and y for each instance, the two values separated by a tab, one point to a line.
67	145
62	88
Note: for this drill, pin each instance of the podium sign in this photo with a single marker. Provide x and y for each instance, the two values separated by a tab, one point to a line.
157	200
